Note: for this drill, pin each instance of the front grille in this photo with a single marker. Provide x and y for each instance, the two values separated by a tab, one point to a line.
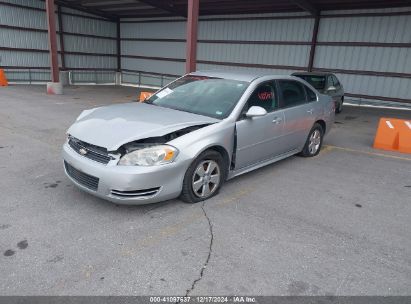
82	178
92	152
136	193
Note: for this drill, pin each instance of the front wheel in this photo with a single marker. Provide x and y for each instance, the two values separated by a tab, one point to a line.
314	141
203	178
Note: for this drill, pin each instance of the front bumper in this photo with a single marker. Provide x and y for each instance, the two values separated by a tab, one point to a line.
113	179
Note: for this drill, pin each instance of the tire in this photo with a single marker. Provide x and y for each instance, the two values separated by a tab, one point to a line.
339	107
198	187
315	137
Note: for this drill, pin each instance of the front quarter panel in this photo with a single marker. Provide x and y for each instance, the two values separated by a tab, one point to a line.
191	145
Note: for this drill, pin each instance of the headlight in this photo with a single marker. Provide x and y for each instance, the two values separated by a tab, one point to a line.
149	156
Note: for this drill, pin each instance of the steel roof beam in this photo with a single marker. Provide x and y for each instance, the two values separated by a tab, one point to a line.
167	6
93	11
307	6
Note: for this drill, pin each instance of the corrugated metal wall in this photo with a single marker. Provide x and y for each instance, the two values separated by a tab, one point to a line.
142	43
159	47
99	59
279	43
255	42
282	45
383	58
90	43
13	41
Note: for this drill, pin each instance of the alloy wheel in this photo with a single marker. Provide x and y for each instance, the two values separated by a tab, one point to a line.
314	142
206	178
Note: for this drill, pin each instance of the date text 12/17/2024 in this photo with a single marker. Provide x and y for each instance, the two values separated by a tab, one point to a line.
203	299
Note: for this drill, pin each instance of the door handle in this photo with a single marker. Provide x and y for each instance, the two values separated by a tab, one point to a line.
277	120
310	111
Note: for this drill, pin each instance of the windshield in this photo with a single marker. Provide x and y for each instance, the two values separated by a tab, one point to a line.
213	97
317	82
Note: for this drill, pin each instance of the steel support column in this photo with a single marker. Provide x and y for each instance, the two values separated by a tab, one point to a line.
192	26
314	43
52	37
118	45
61	36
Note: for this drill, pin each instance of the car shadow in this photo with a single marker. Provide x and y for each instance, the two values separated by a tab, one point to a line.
173	204
90	201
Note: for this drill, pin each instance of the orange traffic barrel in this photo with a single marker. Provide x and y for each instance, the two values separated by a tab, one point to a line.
393	135
3	79
144	96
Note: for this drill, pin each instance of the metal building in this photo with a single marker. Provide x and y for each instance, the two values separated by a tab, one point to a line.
367	44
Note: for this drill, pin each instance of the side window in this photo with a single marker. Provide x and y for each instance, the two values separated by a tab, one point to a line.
292	92
264	96
310	94
336	82
330	81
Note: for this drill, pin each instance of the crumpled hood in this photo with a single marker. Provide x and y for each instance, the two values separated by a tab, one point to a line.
113	126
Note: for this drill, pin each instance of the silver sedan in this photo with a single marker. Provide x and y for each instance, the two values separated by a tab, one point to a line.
194	134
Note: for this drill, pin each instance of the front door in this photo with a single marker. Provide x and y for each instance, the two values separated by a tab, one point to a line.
260	138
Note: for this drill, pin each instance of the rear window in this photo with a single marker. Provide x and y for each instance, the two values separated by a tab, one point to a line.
317	82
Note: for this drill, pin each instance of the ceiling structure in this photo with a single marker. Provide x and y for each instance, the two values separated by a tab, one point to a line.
114	9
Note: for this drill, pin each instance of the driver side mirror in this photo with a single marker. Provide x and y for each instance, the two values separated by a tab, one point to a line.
331	88
255	111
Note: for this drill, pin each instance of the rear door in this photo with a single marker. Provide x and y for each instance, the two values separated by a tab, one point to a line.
260	138
340	91
333	93
300	109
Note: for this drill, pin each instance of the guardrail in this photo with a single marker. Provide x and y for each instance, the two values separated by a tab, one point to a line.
143	78
39	75
91	76
27	75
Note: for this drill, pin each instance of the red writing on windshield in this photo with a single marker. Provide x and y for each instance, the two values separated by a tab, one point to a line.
265	95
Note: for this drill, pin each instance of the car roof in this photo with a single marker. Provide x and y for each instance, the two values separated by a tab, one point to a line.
312	74
247	76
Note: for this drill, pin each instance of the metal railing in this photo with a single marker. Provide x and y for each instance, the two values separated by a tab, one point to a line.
142	78
28	75
91	77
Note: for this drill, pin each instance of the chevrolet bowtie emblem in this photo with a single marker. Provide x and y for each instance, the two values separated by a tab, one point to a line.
83	151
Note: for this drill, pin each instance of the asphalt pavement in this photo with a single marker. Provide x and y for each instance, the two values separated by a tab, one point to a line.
336	224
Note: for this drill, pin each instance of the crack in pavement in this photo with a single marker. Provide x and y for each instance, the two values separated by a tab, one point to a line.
210	250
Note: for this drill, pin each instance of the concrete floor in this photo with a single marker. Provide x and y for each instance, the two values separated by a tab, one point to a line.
336	224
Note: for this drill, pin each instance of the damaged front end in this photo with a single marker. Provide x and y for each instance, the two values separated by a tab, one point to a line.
153	150
144	152
158	140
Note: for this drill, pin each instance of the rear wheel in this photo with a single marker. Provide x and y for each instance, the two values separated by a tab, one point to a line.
204	177
339	106
314	141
